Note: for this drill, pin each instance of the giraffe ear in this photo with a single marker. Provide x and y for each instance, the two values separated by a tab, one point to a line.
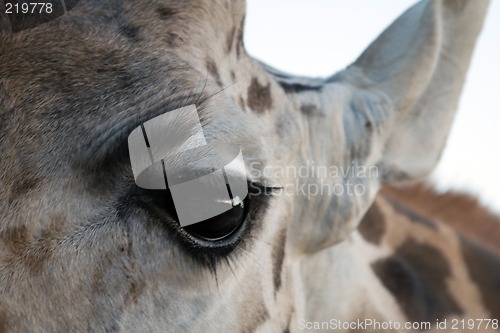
419	63
393	108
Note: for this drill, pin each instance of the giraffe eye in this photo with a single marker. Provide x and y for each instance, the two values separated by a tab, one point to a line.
215	229
222	225
214	237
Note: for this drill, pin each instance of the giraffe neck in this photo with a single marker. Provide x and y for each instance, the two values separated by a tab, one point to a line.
426	269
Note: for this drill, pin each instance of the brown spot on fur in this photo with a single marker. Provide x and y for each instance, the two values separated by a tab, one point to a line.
23	186
484	269
233	76
96	280
259	96
213	71
463	213
29	250
42	250
130	31
240	48
26	250
104	266
16	239
165	13
372	226
135	291
254	320
278	256
290	324
416	275
55	229
309	109
230	40
173	39
34	258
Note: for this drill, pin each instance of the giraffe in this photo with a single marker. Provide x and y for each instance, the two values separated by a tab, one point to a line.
84	249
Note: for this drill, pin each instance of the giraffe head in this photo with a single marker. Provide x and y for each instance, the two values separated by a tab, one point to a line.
83	248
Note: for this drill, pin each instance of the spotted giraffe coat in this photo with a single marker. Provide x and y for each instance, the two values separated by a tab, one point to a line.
84	249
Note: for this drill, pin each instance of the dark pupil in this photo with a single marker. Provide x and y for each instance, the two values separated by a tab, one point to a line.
219	226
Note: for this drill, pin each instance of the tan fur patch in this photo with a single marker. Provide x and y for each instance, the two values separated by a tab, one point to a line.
372	226
460	211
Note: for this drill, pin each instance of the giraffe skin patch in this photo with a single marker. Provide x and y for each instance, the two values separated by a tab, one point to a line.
257	318
372	226
310	110
240	48
165	13
23	186
259	96
214	72
130	31
278	258
416	275
484	269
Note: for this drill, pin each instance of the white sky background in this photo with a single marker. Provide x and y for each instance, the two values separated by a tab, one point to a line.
320	37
